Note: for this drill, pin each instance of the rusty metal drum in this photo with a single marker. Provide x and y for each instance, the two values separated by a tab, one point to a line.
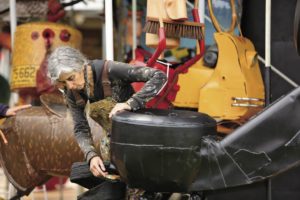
41	144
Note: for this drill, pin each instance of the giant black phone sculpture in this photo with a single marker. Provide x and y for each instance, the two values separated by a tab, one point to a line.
168	151
152	156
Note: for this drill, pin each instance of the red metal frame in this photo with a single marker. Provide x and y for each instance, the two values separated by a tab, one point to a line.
168	94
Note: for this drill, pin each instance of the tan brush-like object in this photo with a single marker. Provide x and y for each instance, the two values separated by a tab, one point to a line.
173	28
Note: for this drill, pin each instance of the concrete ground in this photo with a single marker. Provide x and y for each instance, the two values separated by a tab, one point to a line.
68	192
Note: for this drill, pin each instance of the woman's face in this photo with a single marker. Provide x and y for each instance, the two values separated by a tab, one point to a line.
72	80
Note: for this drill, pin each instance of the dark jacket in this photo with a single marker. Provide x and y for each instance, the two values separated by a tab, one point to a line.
121	76
3	110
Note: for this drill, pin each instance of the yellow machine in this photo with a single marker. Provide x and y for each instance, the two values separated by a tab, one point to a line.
231	90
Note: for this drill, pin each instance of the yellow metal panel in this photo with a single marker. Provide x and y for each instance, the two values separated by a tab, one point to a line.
190	85
236	76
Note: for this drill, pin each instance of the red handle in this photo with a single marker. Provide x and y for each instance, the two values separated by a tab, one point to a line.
161	47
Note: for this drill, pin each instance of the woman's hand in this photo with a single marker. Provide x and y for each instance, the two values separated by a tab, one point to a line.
97	167
119	107
12	111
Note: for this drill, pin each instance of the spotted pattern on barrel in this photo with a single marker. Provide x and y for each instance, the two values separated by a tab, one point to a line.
41	143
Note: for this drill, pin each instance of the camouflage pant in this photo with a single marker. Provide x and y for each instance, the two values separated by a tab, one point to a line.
99	111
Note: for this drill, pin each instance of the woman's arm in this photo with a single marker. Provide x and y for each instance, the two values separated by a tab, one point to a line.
84	138
154	81
5	111
81	128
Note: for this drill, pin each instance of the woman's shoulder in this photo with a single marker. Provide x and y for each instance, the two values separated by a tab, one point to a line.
97	63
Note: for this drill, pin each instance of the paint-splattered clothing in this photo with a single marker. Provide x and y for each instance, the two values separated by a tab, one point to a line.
121	76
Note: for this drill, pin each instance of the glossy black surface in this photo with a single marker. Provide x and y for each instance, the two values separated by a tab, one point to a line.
190	159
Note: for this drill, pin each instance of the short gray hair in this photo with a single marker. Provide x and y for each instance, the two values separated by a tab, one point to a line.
65	59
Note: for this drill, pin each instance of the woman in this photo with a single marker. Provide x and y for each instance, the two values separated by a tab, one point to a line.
90	81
